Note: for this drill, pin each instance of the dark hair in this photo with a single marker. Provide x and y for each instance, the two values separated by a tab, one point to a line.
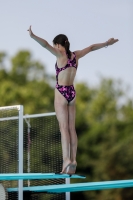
63	40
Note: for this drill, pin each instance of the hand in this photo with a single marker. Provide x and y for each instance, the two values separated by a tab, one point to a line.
112	41
30	31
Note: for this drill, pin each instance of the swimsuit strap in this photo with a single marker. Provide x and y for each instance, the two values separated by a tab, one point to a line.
70	63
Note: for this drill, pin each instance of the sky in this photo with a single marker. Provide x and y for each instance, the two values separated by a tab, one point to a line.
85	23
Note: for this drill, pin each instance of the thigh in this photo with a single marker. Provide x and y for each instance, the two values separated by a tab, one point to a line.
61	109
71	114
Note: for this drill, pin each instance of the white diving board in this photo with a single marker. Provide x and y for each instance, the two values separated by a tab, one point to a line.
77	187
26	176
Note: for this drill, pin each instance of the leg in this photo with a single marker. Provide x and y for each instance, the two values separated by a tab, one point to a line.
61	109
73	136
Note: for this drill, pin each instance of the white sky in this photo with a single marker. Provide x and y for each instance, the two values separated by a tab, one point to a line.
85	22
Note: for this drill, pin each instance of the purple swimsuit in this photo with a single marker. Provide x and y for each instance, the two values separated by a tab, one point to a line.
67	91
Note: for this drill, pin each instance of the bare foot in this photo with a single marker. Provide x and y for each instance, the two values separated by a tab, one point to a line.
66	164
72	168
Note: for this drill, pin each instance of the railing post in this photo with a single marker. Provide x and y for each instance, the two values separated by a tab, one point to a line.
20	156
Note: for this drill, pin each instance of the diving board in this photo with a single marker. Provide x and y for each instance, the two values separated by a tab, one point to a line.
26	176
77	187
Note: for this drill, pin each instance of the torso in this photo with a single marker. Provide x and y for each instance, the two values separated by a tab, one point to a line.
66	74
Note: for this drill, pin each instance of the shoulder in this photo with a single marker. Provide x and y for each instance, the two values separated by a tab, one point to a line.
83	52
77	54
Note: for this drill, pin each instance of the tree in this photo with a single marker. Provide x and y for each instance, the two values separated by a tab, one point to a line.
26	83
104	126
2	57
105	137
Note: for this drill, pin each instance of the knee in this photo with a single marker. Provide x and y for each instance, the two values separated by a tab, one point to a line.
72	130
63	127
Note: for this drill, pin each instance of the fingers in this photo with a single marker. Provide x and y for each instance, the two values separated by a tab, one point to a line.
116	40
29	28
112	41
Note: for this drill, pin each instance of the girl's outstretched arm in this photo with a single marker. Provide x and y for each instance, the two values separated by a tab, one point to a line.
93	47
44	43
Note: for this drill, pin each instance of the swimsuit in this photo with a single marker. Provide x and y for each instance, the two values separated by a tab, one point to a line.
67	91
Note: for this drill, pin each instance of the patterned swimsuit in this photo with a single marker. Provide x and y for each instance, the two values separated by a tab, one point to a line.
67	91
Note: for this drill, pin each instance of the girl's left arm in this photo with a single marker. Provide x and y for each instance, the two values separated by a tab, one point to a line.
93	47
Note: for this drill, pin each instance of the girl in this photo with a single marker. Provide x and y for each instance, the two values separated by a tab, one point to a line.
65	95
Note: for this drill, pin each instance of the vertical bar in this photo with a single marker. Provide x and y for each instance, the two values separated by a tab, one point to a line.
20	159
68	181
67	193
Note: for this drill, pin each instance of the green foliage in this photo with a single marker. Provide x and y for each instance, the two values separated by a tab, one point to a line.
25	69
104	127
105	138
2	57
26	84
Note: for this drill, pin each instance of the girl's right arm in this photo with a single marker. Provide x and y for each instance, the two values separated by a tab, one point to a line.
44	43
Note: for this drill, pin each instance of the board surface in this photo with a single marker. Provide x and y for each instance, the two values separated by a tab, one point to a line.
77	187
26	176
